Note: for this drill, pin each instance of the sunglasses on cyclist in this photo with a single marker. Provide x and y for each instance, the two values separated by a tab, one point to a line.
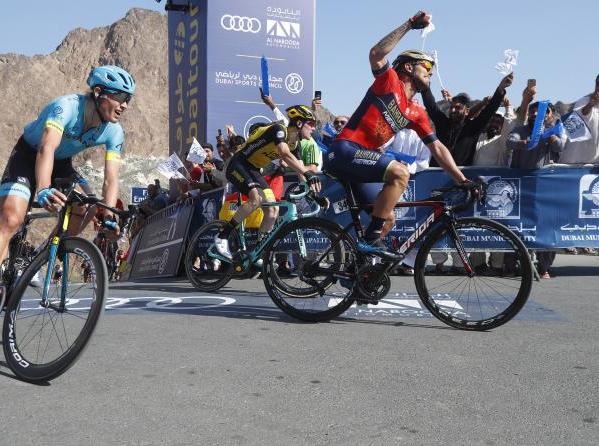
428	66
119	96
340	122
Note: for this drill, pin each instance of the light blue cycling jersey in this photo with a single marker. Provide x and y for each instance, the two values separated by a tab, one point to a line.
66	114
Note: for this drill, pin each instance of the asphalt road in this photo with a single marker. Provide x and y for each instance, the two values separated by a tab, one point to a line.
169	366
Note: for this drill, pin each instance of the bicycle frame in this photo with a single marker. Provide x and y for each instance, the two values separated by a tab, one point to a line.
441	211
64	216
288	217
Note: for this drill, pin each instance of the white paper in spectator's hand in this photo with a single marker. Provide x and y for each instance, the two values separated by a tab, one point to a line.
197	154
511	56
511	59
170	167
504	68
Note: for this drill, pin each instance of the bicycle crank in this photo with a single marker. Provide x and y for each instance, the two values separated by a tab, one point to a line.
372	284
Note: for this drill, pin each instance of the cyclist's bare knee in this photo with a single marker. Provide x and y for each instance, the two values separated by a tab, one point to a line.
12	215
397	174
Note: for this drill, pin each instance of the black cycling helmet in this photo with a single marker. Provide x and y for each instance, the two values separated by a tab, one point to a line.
300	113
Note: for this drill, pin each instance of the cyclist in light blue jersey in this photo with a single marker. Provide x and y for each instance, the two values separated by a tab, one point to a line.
66	126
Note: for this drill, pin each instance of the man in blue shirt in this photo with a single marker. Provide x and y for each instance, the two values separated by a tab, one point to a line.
66	126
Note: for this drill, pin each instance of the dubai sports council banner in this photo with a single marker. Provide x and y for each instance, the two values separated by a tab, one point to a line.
215	52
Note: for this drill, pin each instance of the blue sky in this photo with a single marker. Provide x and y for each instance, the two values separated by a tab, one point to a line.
557	40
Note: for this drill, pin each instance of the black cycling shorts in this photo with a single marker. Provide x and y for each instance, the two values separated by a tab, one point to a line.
244	176
350	161
19	174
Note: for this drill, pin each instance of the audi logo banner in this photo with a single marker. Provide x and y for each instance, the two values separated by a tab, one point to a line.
244	24
214	64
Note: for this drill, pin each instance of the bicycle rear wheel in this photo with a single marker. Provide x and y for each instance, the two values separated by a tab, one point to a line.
205	271
493	294
42	342
320	284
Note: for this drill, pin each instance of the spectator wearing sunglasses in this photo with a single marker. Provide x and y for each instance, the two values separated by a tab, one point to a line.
458	133
65	127
339	122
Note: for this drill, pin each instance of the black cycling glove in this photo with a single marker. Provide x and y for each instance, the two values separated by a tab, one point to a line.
311	178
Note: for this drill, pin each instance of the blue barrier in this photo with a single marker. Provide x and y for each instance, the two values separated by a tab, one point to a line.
553	207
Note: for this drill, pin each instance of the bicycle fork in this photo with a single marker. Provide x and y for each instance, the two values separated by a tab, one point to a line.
460	249
53	248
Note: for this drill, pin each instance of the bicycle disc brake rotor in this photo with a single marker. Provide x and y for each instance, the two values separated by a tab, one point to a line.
373	283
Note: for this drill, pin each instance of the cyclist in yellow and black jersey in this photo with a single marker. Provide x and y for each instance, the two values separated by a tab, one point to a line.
260	149
265	143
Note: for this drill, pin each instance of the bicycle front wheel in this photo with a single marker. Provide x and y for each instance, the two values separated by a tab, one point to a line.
493	293
42	339
309	269
205	269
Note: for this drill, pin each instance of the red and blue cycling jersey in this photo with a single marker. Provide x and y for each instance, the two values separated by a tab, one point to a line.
384	111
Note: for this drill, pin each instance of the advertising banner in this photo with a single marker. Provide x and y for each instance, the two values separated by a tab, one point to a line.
215	67
161	243
138	194
554	207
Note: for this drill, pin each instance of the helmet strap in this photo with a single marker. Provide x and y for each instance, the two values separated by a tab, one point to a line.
96	98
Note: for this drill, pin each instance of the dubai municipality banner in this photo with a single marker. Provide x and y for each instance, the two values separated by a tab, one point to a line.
215	67
554	207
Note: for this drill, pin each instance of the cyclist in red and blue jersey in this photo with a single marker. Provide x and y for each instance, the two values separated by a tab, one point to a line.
66	126
357	154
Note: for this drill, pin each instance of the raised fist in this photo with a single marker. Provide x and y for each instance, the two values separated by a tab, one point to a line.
420	20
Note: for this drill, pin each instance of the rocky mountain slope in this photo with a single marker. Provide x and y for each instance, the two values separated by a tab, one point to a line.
138	42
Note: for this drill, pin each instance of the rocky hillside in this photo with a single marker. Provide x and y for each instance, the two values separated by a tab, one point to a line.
138	42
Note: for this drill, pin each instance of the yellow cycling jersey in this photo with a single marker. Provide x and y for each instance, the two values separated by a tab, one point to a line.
260	149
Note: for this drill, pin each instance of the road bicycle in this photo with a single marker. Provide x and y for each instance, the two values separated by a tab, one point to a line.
207	270
476	293
47	324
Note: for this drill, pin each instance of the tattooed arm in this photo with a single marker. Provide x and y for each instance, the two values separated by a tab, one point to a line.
378	53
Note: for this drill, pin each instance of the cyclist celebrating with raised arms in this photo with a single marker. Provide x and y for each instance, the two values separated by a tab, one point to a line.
66	126
265	143
357	153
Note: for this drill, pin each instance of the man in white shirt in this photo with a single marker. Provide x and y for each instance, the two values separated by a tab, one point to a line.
491	147
585	151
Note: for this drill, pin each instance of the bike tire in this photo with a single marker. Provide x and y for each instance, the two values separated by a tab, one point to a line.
213	278
311	303
22	315
489	298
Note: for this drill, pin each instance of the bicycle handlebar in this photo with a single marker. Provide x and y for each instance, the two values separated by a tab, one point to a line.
312	198
474	190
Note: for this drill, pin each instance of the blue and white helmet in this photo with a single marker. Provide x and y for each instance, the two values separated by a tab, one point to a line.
111	77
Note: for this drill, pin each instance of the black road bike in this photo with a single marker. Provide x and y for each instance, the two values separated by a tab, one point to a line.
476	292
48	323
